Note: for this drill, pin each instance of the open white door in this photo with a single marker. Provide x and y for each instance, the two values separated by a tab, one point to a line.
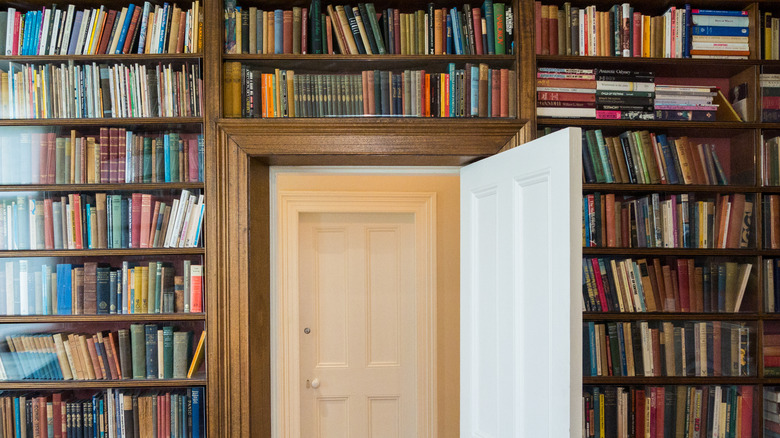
521	301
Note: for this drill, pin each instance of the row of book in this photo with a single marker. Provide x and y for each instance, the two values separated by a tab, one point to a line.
32	287
69	90
145	351
671	349
99	221
667	221
114	155
108	413
669	411
363	30
770	97
625	285
644	157
97	31
595	93
771	218
680	32
474	91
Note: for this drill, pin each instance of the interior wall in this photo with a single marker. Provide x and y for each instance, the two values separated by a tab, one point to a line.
447	189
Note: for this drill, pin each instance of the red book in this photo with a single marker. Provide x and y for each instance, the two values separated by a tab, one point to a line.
504	91
397	30
77	240
146	219
193	159
426	108
552	14
135	230
545	30
682	284
131	30
716	353
56	408
167	415
39	143
113	348
747	411
48	223
772	361
122	158
112	371
51	160
476	15
659	416
42	415
695	299
637	37
182	28
196	285
304	31
538	27
599	284
113	155
495	93
287	31
106	35
639	409
17	25
329	34
653	411
104	155
94	359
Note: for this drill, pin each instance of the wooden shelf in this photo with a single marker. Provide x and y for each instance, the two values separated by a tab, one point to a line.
102	252
129	187
650	124
677	67
710	380
340	63
681	252
670	188
666	316
38	385
133	57
104	121
136	317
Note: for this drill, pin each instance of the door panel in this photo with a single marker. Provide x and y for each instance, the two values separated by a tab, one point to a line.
521	317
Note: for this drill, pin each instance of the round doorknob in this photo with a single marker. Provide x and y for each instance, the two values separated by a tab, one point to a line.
315	383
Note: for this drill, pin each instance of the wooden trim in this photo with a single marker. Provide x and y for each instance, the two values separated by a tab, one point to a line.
134	317
121	187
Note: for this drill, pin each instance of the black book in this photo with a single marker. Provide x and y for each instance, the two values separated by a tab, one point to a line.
614	349
245	30
627	100
136	426
690	350
590	175
431	49
363	14
610	411
256	100
125	358
128	416
586	351
469	24
385	89
151	85
151	350
636	340
102	280
468	49
315	27
355	30
670	409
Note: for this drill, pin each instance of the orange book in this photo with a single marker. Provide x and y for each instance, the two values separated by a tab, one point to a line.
427	96
77	236
695	52
504	88
86	360
438	36
721	220
114	353
774	220
735	220
94	357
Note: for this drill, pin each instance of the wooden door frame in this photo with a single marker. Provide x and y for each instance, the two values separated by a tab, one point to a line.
237	181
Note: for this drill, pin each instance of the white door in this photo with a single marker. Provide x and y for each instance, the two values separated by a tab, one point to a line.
521	316
358	352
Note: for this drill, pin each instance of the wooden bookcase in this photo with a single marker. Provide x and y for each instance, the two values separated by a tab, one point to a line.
91	323
746	148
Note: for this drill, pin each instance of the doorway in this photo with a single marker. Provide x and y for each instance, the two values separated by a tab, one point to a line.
364	320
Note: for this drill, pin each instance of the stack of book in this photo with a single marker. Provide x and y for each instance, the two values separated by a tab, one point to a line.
684	220
624	94
362	30
566	92
643	157
142	352
611	285
111	155
97	31
82	221
111	412
719	34
670	411
36	287
770	97
771	342
685	102
665	348
772	412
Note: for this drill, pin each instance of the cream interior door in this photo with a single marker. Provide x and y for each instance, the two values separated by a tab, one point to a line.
358	325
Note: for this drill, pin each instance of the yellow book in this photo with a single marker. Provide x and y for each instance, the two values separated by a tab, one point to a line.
646	36
144	289
149	31
197	358
138	282
290	93
767	35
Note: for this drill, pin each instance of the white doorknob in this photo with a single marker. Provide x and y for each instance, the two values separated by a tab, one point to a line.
315	383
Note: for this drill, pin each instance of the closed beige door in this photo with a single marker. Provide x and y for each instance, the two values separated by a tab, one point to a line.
358	325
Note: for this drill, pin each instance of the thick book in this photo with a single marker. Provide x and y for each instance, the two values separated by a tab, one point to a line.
137	350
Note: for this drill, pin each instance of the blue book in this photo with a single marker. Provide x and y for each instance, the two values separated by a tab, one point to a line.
450	43
124	226
26	32
487	12
112	287
196	414
720	31
144	27
639	289
151	351
201	156
586	220
36	34
592	339
686	38
474	90
720	20
597	405
621	346
451	71
88	210
17	418
167	155
123	34
455	31
74	34
183	416
278	31
64	304
718	12
164	27
671	171
23	229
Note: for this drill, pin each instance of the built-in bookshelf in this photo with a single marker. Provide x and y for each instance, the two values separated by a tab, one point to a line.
102	180
656	286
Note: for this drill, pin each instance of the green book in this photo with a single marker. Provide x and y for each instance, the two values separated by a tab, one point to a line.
499	27
152	284
375	29
147	160
167	352
116	221
595	155
159	158
138	350
125	356
59	150
181	347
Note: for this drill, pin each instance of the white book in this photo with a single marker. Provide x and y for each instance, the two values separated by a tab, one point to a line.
115	38
123	304
56	32
114	112
160	355
66	30
98	30
185	223
44	32
83	30
91	30
194	231
24	290
194	27
69	226
171	221
176	224
9	32
31	204
96	91
9	288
